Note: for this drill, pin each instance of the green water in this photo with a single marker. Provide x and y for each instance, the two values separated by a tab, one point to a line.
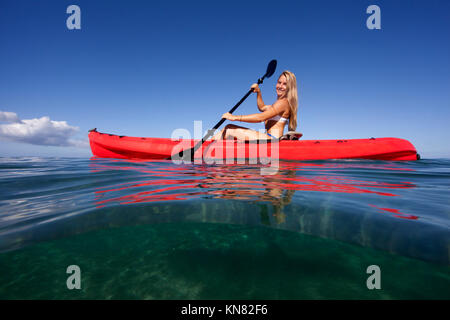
213	261
156	230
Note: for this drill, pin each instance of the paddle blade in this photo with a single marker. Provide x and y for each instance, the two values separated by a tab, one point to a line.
271	67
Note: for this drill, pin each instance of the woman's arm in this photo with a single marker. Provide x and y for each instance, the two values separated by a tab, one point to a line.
271	111
259	100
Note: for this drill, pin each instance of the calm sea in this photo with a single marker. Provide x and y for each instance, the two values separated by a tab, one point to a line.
154	230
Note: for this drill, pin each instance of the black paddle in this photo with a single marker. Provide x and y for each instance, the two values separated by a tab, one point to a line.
269	72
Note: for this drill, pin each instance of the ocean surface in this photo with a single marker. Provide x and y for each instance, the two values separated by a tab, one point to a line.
344	229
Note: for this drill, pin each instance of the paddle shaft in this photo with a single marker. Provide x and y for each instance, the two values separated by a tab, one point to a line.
211	132
270	70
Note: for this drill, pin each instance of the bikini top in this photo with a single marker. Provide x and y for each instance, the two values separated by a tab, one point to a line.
278	118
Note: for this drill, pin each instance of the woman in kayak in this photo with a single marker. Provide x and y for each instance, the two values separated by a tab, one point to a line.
274	116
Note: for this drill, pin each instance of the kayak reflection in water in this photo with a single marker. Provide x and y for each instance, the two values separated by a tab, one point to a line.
279	198
275	116
275	192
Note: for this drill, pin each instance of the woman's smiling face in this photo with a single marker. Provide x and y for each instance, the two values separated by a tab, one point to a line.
281	86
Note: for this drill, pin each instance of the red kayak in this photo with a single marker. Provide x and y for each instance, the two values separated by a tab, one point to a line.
106	145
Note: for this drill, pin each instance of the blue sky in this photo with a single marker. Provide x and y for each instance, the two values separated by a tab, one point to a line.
146	68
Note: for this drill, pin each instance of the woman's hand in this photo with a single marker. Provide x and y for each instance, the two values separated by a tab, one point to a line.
229	116
255	88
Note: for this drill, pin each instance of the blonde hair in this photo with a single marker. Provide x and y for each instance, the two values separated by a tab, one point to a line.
292	98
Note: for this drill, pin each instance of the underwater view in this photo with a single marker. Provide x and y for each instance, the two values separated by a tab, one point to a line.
341	229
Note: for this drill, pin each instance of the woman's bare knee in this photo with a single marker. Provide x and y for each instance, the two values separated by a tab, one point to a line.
233	126
229	133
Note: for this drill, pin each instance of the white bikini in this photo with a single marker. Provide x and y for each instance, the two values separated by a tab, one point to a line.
278	118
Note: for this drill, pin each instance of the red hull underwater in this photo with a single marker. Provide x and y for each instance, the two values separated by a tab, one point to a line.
105	145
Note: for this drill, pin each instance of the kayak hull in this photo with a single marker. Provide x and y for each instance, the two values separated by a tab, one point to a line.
106	145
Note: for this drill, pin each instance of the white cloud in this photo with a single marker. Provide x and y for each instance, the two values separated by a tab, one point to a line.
8	117
39	131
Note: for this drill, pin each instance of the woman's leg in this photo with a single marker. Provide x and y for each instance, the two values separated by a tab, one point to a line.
232	131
